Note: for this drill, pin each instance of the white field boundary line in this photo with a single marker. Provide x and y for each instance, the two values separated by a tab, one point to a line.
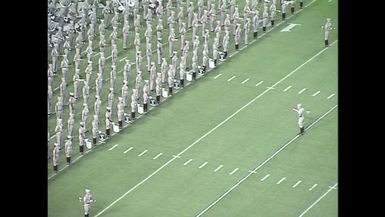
209	132
315	202
260	165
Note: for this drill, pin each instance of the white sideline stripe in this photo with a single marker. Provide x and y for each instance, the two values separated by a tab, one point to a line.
128	150
281	180
245	80
209	132
144	152
157	156
232	172
331	96
217	76
315	202
201	166
231	78
259	83
296	184
265	177
287	88
263	163
218	168
301	91
312	187
316	93
113	147
187	162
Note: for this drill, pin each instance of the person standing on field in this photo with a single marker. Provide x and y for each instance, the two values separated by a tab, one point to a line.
300	111
327	27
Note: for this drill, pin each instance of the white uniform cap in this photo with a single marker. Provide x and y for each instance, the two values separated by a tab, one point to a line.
85	104
71	94
299	105
111	89
88	191
108	108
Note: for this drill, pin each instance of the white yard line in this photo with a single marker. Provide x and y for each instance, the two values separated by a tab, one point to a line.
296	184
287	88
157	156
234	170
316	93
187	162
113	147
281	180
212	130
312	187
217	76
128	150
315	202
218	168
144	152
201	166
301	91
209	132
331	96
259	83
265	177
260	165
231	78
245	81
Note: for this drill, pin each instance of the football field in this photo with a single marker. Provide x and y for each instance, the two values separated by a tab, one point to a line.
227	144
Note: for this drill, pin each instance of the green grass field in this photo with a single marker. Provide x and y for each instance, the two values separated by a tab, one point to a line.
226	145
